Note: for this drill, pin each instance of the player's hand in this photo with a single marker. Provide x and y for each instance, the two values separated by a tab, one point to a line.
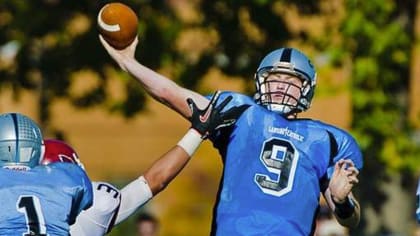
212	118
119	56
343	179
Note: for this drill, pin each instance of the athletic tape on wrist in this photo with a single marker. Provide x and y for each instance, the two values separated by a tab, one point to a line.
191	141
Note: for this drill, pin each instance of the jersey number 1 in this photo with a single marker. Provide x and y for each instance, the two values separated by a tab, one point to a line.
31	207
280	159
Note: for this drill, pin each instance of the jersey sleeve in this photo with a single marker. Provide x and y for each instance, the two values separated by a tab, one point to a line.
100	218
344	146
133	196
83	195
237	99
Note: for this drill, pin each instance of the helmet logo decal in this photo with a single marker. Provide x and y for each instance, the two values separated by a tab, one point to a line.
77	160
310	64
64	157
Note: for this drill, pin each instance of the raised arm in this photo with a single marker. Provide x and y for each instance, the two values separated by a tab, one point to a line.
167	167
203	122
158	86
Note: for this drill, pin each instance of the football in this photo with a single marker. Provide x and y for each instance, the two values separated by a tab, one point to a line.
117	24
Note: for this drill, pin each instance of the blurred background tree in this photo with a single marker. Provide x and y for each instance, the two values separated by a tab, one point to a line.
49	46
379	42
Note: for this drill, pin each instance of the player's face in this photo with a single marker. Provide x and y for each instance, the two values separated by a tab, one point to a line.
284	88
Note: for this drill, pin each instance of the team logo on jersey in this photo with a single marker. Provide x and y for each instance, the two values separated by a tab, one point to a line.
65	158
17	167
286	132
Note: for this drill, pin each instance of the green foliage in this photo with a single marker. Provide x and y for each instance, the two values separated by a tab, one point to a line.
379	37
381	48
55	39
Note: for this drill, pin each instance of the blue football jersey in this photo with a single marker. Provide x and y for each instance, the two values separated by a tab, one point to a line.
44	200
272	171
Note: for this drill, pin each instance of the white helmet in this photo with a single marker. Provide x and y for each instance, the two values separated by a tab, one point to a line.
289	61
21	142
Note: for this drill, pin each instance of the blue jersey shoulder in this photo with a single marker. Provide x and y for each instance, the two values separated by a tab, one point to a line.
69	169
237	99
73	175
344	145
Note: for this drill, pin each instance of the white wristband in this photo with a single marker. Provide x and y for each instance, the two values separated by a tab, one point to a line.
191	141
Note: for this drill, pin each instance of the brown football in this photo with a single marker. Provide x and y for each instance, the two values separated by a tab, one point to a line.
117	23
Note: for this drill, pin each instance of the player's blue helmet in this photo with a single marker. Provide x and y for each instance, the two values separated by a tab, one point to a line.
290	61
21	142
